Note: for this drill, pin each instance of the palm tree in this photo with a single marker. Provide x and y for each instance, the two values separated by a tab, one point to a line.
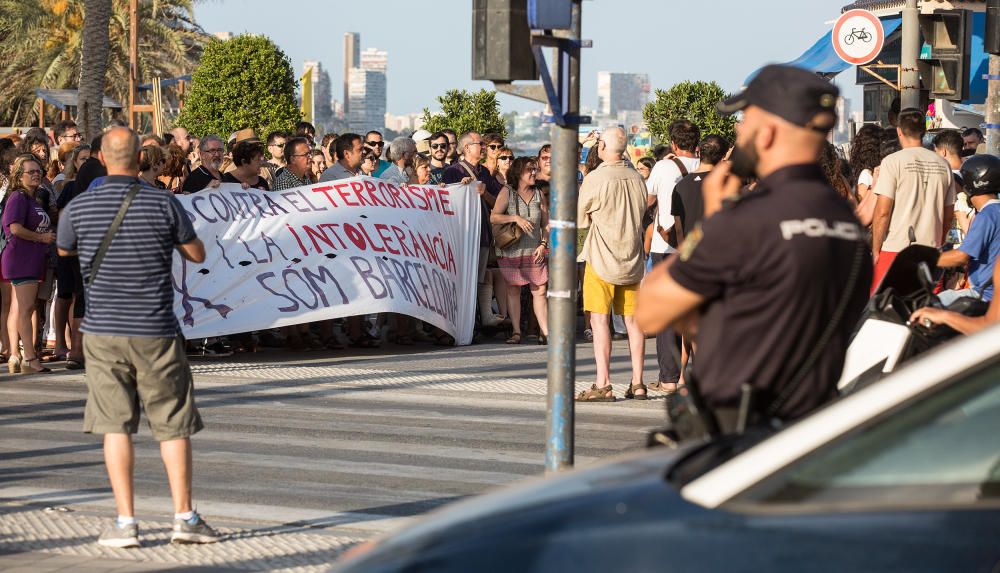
42	48
93	65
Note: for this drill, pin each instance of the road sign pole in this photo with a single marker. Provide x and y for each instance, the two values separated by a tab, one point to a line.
562	263
909	85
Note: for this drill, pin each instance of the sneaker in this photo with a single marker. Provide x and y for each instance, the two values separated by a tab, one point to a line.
194	530
121	537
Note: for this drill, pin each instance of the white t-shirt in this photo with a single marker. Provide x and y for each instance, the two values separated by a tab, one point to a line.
662	180
865	178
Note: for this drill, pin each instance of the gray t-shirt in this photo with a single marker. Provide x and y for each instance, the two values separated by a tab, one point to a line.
133	293
336	172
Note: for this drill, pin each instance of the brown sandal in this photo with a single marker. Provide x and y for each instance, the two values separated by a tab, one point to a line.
664	386
595	394
631	395
516	339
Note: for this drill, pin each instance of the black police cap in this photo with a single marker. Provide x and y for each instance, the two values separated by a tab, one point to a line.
794	94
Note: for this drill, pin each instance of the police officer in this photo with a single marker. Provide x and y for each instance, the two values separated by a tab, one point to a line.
777	276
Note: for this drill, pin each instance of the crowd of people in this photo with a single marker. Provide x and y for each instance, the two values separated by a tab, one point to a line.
42	172
632	216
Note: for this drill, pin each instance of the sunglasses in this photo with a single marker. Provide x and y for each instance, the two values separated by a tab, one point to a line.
439	146
278	145
533	170
219	150
375	143
506	158
495	146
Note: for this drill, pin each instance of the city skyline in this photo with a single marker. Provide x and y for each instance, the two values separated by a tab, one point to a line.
638	37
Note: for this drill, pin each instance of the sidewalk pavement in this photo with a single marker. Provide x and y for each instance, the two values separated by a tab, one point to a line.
43	539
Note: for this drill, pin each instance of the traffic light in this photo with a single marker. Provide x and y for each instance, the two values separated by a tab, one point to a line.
944	62
501	41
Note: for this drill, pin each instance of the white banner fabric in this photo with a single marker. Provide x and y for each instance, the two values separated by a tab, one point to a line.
340	248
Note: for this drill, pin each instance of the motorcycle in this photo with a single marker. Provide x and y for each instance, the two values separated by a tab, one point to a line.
885	338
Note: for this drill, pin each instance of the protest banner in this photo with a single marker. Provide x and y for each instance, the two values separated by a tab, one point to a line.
341	248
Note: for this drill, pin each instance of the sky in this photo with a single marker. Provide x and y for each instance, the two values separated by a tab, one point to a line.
429	42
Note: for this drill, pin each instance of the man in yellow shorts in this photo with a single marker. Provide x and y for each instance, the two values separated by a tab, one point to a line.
612	202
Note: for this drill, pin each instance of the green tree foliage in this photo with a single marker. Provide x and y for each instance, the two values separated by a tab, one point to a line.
243	82
464	111
41	42
694	101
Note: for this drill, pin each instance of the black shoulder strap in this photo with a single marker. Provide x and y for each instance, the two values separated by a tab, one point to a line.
831	327
680	165
110	235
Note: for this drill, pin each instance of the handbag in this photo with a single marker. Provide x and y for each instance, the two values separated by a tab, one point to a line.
508	234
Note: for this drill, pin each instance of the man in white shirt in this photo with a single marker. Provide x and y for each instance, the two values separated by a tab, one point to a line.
915	190
684	139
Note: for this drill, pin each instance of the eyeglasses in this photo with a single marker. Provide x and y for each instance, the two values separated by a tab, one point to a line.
533	170
216	150
32	172
440	145
74	136
495	146
301	154
506	158
375	143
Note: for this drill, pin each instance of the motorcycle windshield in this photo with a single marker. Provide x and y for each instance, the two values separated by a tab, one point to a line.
903	277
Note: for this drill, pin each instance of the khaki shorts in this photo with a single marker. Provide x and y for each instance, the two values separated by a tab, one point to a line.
600	297
126	371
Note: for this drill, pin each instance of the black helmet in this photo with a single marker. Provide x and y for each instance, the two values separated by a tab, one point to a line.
981	175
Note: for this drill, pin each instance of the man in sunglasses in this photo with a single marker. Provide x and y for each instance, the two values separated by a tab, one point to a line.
374	141
439	156
466	170
276	149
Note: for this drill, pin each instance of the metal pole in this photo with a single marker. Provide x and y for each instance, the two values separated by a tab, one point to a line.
993	108
909	85
133	61
562	266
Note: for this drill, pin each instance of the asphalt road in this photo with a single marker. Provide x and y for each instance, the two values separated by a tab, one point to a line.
346	443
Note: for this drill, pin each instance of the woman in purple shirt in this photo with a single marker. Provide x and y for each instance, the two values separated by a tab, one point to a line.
28	231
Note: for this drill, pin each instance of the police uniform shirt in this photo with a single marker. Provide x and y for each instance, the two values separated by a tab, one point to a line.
772	268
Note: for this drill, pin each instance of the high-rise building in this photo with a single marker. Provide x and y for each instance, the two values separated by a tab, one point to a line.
352	59
375	59
366	100
617	92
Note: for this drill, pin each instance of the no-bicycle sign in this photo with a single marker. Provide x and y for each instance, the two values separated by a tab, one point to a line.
858	37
